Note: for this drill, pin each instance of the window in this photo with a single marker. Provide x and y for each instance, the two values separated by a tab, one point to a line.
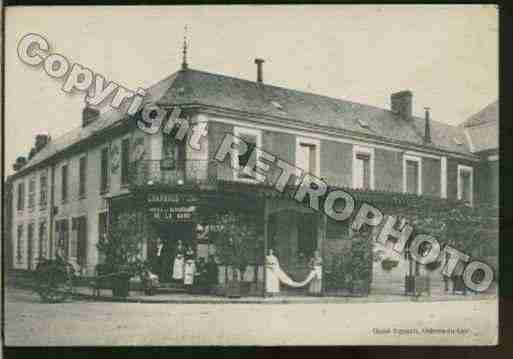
363	167
78	239
102	232
465	184
21	196
412	175
43	239
64	183
104	171
125	160
308	155
19	244
43	188
30	245
244	163
82	177
32	193
62	231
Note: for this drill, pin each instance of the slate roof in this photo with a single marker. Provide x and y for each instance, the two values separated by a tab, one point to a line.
220	91
483	128
489	114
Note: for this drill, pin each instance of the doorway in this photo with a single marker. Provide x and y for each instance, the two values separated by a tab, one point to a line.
170	234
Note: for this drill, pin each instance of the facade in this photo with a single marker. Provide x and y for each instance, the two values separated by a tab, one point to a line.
65	195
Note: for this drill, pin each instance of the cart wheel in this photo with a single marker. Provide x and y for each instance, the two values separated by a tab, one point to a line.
54	281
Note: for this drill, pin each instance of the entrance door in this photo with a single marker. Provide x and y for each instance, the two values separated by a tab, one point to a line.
170	234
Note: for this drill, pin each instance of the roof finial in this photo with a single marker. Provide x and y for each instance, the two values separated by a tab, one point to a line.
184	51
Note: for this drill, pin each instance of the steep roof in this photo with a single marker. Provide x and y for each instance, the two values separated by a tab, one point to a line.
489	114
216	90
483	128
208	89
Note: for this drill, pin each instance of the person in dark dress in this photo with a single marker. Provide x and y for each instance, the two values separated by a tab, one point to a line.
212	273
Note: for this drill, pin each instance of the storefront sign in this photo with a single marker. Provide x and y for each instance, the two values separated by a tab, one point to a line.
177	214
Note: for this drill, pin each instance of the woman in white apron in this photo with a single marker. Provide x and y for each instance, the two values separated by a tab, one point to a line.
272	283
316	266
178	264
189	271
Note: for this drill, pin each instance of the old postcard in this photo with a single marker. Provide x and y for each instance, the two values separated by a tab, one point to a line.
251	175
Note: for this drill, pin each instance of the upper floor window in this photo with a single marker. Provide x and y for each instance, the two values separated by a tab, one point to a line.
64	183
104	170
412	175
363	167
82	177
20	205
32	193
308	155
43	189
125	160
245	161
465	183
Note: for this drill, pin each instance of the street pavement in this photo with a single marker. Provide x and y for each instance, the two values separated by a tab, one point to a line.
28	322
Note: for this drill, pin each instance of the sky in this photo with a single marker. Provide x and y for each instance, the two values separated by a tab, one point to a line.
446	55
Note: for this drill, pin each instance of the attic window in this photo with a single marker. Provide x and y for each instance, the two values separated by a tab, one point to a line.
277	105
362	123
457	141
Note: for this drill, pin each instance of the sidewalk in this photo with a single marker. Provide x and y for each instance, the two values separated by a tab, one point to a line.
185	298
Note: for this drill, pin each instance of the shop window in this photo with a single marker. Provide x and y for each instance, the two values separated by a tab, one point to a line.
102	231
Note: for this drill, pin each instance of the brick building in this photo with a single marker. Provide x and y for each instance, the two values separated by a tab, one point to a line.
67	190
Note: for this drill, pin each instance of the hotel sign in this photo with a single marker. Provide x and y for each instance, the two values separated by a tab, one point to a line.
172	207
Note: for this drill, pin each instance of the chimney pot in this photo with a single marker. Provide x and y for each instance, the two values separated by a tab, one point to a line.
259	62
401	103
427	129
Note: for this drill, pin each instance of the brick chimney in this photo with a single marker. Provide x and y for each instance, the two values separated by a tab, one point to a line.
89	115
427	128
41	141
259	63
401	103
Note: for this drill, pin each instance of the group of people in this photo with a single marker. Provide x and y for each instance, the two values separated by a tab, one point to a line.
275	275
181	266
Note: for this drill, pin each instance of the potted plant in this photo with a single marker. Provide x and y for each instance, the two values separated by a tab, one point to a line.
235	247
388	264
121	248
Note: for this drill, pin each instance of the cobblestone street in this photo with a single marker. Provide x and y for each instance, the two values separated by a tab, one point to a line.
30	322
